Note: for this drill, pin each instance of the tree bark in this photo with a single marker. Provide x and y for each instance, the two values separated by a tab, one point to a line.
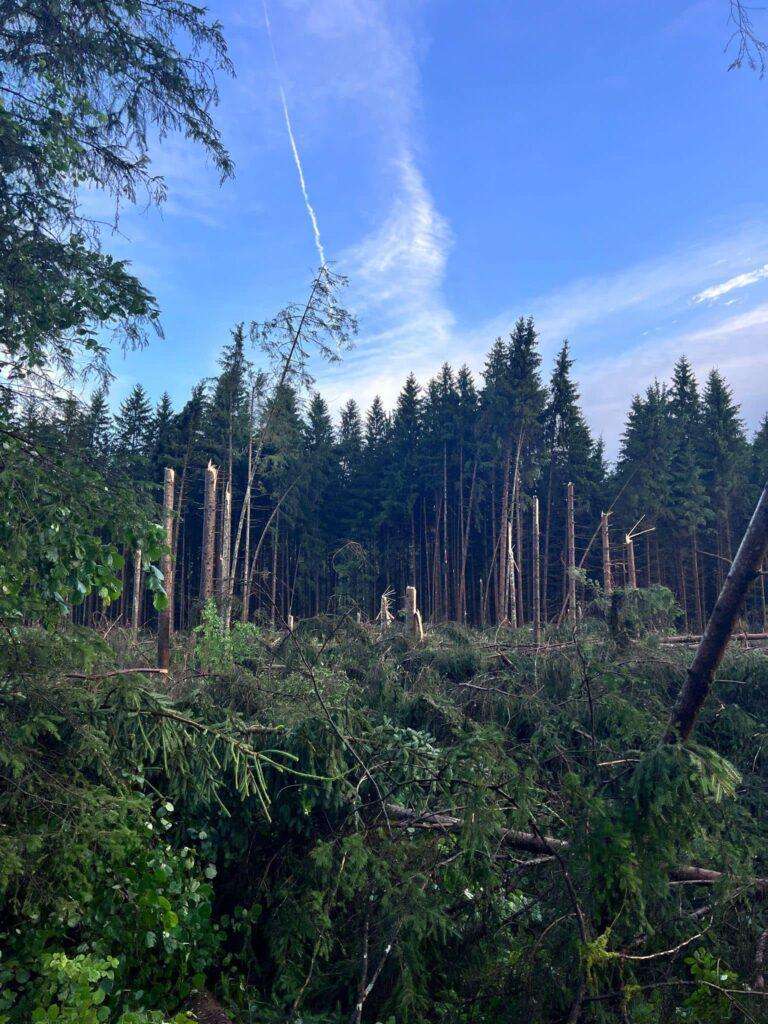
225	568
209	534
536	559
606	538
631	570
743	572
136	607
165	617
571	557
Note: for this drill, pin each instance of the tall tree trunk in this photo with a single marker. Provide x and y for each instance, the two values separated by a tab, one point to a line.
165	617
273	581
682	588
536	565
209	534
465	548
606	541
571	555
245	609
631	570
509	586
446	572
547	535
518	579
696	581
502	610
136	607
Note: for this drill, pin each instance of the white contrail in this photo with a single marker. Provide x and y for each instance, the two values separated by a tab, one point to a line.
292	138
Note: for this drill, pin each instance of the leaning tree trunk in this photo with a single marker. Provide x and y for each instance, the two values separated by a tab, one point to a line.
743	571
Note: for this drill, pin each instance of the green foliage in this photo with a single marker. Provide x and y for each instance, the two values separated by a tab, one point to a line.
62	533
392	772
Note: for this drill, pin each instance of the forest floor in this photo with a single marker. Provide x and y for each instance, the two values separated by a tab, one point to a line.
335	825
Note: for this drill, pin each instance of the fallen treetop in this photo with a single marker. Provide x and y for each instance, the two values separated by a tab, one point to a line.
529	842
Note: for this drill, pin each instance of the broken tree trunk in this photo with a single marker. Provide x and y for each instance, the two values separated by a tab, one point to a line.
385	615
538	843
225	555
165	617
209	534
136	606
536	560
510	584
571	556
629	547
744	570
413	621
607	577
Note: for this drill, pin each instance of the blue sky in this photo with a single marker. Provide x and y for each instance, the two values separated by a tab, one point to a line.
595	165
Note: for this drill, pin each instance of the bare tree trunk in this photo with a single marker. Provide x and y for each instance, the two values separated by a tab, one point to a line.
273	593
606	538
547	536
682	588
631	570
764	611
741	575
503	589
510	581
446	568
413	621
136	609
571	556
244	611
465	549
209	534
696	581
436	587
165	617
536	551
224	554
518	576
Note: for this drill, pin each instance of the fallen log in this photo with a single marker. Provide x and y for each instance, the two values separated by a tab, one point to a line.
695	638
529	842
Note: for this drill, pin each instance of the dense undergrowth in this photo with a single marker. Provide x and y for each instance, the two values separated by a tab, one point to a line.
316	827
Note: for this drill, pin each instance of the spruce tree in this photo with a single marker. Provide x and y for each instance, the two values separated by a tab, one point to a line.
163	435
98	425
133	428
569	454
724	456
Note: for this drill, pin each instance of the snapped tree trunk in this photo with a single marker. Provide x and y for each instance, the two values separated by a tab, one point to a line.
209	534
165	617
136	611
606	539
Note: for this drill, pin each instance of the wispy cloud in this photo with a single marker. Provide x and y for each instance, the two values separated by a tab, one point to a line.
397	269
715	291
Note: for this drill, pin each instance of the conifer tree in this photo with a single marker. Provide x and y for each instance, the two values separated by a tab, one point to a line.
98	425
163	435
688	508
569	455
406	452
724	457
643	468
133	427
322	487
349	448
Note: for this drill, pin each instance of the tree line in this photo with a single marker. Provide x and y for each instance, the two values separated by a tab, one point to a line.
438	493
